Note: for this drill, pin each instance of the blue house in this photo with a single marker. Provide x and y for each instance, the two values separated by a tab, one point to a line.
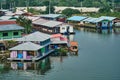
103	22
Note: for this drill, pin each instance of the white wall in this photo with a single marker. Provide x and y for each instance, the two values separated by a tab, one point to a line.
104	23
71	29
63	29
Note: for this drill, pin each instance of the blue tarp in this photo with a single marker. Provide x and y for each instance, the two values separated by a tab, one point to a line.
20	55
20	65
76	18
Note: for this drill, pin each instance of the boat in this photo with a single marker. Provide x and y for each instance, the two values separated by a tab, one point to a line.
73	46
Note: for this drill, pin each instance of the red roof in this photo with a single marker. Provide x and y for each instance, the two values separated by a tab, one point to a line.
56	35
7	22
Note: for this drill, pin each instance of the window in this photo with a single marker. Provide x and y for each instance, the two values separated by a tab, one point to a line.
30	53
5	34
15	33
63	28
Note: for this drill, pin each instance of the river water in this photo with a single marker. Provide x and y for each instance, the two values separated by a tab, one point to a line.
98	59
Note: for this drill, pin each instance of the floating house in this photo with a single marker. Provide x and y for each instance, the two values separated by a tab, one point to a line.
103	22
90	22
55	17
33	47
116	23
58	40
27	51
76	20
52	27
10	31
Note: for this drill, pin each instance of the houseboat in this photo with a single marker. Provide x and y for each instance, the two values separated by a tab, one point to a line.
52	27
101	24
32	47
105	22
10	31
58	40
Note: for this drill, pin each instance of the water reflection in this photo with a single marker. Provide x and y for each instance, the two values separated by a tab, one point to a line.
40	67
71	37
37	67
4	67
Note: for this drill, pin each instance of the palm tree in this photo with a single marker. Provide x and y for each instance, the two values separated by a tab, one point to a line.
26	23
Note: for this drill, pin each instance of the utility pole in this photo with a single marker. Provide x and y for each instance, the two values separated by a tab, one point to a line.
81	4
1	5
27	4
49	6
113	5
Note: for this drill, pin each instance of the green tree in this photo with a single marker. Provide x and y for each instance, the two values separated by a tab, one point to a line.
35	11
104	10
26	23
70	12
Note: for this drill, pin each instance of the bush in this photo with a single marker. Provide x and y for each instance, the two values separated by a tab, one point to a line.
69	12
63	51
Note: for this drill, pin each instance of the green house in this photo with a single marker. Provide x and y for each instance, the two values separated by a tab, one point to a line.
10	31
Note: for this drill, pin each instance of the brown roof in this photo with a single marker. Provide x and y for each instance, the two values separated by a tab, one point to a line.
7	22
73	43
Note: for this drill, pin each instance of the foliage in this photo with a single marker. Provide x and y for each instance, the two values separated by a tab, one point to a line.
26	23
70	12
104	9
9	44
84	3
34	11
115	14
63	51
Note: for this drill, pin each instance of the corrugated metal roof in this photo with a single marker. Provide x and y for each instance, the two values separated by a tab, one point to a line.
10	27
90	19
105	18
40	21
8	17
48	23
76	18
59	42
52	23
99	20
33	18
5	22
29	46
36	36
5	17
51	15
108	17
